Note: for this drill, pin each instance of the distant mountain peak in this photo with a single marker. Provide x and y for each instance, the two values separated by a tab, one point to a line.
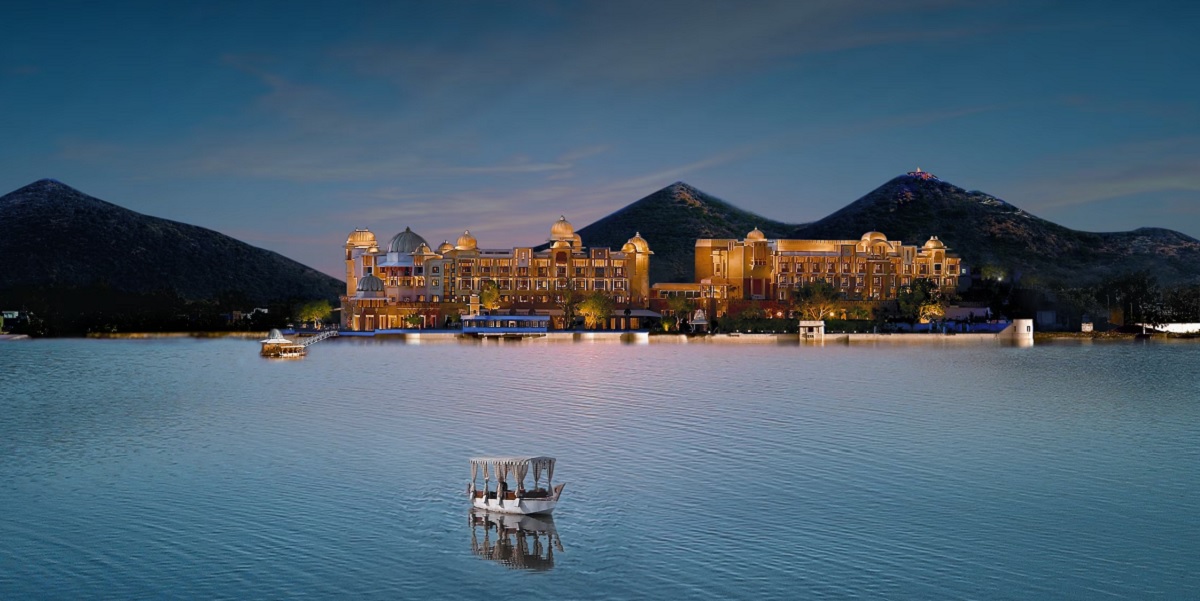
984	229
136	253
671	219
921	175
46	186
50	183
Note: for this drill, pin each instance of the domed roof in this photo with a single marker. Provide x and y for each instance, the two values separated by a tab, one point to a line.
560	244
562	229
639	243
370	283
445	247
756	234
405	242
933	243
361	237
466	241
873	236
423	249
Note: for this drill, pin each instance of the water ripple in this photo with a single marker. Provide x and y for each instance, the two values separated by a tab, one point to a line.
194	469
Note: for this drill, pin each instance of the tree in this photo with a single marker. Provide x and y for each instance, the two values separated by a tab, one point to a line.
1075	303
568	303
680	307
1137	293
858	311
920	300
414	321
451	313
993	273
1183	303
314	311
489	296
816	300
596	309
931	310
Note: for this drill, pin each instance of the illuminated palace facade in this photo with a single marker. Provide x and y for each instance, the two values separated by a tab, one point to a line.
410	284
871	268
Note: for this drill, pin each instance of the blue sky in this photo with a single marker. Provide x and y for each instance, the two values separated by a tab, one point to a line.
287	125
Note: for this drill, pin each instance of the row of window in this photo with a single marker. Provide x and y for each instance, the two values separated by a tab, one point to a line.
504	298
508	284
541	272
876	268
527	299
506	263
858	281
467	284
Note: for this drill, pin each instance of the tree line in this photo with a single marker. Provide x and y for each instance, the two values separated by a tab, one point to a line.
100	308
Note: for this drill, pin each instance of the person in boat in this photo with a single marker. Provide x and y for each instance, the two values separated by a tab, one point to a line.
503	489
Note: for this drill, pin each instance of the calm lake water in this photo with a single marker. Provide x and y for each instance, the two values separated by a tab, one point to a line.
195	469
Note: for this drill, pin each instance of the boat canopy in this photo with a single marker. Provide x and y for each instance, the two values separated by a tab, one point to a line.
513	461
502	467
276	337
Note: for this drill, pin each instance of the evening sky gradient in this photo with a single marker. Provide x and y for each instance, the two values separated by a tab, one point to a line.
289	124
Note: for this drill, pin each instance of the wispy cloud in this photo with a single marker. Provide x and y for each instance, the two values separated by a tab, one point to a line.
1176	111
1115	171
20	70
506	213
634	42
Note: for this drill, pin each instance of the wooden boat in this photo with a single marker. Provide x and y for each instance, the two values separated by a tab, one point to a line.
276	346
498	495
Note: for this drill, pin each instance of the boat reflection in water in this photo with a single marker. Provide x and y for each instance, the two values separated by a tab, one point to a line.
520	542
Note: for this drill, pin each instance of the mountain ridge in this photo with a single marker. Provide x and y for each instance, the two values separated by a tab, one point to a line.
54	236
982	229
988	231
699	215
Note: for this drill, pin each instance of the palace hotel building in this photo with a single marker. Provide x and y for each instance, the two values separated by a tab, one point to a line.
386	287
871	268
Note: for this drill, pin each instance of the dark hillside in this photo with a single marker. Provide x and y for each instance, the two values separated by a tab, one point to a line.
55	240
985	230
671	220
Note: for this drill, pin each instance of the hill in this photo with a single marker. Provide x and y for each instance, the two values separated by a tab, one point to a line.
987	231
671	220
55	240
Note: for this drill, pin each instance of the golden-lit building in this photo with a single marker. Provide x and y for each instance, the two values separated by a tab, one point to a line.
871	268
409	283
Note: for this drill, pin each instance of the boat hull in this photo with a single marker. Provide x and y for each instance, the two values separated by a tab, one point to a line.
516	506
